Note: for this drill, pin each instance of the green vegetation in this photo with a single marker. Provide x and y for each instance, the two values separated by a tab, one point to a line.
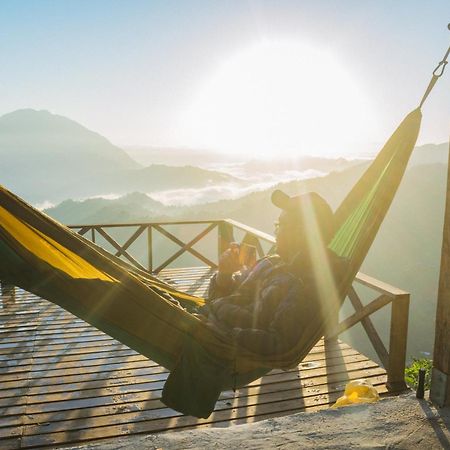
412	372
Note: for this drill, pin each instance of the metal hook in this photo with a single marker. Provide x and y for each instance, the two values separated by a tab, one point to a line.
441	66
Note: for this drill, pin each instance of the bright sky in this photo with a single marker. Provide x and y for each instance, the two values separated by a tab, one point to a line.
258	77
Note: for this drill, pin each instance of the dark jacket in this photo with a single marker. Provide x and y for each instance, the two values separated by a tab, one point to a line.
268	308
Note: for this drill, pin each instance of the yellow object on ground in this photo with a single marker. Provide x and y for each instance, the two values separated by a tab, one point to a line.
358	391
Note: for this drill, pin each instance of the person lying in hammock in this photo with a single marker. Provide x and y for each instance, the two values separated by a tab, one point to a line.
265	308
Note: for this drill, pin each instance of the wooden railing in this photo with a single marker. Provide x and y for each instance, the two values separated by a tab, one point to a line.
227	231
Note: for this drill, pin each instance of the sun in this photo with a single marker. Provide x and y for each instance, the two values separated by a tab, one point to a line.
279	98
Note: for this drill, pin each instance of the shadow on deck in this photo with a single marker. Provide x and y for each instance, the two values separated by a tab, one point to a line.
63	381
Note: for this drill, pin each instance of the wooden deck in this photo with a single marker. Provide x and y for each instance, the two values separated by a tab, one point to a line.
63	381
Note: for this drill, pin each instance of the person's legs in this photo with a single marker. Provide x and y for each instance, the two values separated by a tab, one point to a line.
233	316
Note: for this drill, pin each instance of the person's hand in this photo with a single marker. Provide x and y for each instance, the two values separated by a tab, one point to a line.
229	260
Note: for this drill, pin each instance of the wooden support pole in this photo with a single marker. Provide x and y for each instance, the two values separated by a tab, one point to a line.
8	294
440	379
397	343
150	248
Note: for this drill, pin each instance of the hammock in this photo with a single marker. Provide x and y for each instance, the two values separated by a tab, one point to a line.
46	258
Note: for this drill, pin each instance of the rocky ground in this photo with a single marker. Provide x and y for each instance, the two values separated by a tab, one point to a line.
401	422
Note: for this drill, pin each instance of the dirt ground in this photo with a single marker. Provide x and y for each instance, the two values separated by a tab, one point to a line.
401	422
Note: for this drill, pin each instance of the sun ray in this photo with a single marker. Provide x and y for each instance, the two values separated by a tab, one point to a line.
323	274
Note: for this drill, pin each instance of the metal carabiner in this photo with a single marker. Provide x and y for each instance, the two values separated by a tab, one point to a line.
441	66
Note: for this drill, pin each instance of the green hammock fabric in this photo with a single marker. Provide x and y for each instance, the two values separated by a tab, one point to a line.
44	257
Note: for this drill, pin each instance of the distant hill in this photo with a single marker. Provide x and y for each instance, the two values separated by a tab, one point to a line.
302	163
47	157
44	156
158	177
41	133
246	209
430	154
187	157
177	156
129	208
407	250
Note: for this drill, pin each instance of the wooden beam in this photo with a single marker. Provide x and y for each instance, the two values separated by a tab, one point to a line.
355	318
137	224
134	236
440	382
260	234
117	246
372	333
82	231
185	247
150	248
380	286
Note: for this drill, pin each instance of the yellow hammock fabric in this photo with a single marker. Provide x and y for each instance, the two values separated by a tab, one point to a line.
46	258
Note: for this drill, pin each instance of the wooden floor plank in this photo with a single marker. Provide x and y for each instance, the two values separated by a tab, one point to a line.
339	379
17	379
62	381
85	390
125	355
82	347
225	405
113	355
112	395
265	401
155	425
17	372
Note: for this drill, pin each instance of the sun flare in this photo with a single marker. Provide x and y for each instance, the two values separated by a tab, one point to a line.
279	98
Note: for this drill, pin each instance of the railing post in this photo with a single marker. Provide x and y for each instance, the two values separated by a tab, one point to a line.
225	234
440	377
8	294
397	343
150	248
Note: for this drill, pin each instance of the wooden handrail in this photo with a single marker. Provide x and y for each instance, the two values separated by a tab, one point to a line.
259	234
378	285
137	224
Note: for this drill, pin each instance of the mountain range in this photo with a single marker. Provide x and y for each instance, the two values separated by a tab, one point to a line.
47	157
